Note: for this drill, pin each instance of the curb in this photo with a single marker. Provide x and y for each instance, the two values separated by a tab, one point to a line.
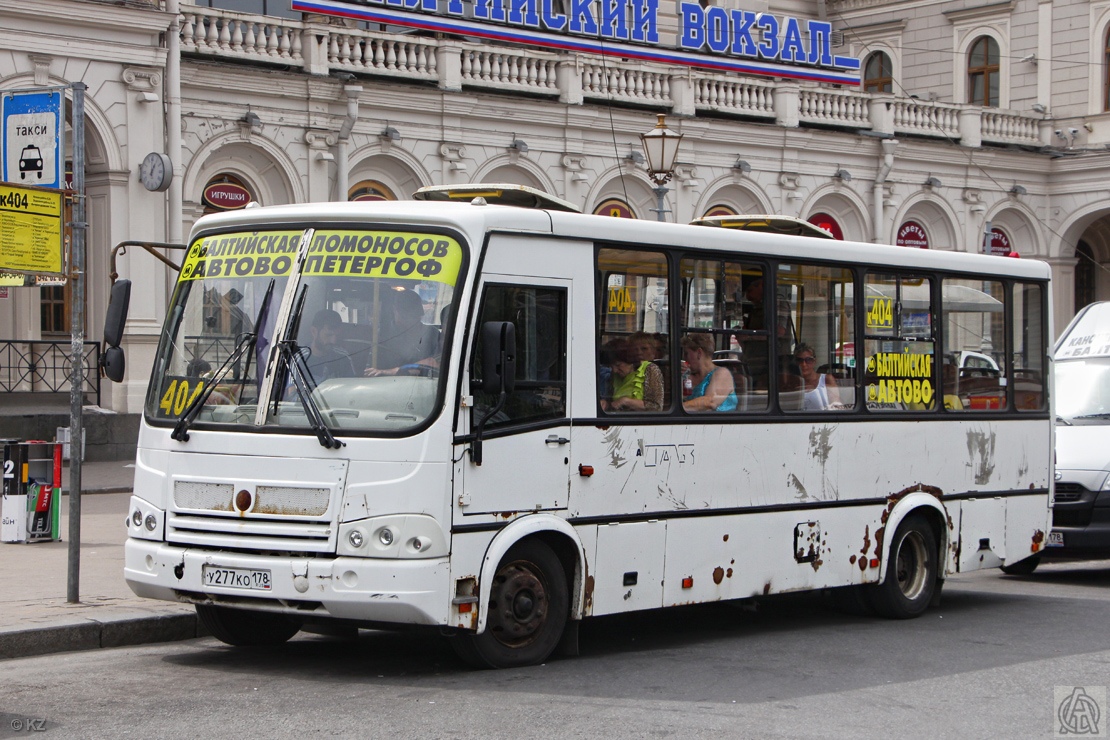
90	635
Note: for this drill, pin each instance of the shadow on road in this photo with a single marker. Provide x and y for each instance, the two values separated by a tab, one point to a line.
787	646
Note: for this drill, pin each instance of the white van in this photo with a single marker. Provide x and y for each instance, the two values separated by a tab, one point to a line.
1081	510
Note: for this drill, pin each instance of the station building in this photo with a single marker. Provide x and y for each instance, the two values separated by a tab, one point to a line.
968	126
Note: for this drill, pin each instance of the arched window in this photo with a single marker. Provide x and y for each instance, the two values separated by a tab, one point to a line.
982	73
878	74
1084	275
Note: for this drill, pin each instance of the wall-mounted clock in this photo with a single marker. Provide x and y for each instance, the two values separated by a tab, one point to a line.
156	172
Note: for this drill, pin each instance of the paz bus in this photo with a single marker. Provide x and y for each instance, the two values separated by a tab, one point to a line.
487	414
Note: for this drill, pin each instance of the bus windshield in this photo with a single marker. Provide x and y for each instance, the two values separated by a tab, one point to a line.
347	329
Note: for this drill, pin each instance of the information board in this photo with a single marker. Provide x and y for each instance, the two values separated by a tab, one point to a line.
30	230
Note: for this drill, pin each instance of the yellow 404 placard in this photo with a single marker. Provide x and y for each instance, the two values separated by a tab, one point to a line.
30	230
179	394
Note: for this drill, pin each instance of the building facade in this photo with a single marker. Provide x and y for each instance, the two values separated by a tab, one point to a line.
976	127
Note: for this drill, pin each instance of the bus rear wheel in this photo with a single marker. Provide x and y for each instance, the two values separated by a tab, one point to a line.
243	628
527	611
911	572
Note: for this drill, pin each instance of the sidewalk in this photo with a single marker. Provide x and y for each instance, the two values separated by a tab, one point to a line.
35	617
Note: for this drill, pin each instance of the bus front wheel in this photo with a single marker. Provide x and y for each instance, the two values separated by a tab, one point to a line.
911	572
243	628
527	610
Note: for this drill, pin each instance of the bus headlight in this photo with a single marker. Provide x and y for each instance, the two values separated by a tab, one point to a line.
395	536
147	522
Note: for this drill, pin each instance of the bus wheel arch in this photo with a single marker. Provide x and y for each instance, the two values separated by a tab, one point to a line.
525	602
912	573
554	532
934	511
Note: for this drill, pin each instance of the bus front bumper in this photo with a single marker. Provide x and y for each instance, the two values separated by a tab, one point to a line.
399	591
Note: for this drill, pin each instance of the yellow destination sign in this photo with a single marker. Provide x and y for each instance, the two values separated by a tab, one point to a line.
30	230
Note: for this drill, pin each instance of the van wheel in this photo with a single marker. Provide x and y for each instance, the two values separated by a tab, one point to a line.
246	628
1022	567
911	572
527	611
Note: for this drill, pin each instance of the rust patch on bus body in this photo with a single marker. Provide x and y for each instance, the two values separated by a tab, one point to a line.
866	540
718	575
589	593
766	588
728	573
726	538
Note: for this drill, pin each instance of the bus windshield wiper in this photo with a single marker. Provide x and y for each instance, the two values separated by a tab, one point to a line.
298	370
1062	420
1100	415
181	431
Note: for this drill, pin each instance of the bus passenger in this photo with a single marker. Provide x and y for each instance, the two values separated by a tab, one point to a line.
713	386
820	388
637	385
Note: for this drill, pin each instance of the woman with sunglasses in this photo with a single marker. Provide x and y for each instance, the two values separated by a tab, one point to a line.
820	388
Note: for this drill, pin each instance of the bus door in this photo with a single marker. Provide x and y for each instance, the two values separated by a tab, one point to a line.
526	442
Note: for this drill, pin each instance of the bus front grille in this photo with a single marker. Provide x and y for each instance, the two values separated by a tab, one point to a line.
250	533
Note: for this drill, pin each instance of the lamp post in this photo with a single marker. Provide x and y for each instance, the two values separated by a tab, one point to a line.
661	150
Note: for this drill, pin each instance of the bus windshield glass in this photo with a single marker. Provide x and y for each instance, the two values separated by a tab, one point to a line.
358	317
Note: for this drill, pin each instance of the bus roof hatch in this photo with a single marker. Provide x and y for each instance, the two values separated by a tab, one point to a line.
503	194
771	224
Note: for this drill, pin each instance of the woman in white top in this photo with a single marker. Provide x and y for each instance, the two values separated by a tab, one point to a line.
820	388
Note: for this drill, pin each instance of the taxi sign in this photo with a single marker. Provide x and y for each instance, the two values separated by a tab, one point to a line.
32	125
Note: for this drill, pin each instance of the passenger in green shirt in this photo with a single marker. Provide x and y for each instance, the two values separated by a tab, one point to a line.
637	384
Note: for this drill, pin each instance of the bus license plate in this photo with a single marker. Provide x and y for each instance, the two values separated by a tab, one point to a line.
247	578
1055	539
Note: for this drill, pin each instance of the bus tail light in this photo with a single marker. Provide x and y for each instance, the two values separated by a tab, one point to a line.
874	562
585	470
688	582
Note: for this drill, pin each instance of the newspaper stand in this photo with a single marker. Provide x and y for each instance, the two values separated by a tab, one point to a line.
32	483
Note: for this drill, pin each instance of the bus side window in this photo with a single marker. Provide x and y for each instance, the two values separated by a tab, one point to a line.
1028	347
974	376
815	338
634	369
899	347
540	317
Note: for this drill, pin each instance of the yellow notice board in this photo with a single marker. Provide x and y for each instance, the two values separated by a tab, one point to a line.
30	230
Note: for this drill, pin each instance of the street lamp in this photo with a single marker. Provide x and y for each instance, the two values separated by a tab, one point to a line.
661	149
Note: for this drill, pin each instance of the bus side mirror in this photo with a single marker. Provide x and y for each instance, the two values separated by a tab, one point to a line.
498	357
118	302
112	362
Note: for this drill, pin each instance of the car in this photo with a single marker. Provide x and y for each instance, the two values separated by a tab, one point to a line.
30	161
967	360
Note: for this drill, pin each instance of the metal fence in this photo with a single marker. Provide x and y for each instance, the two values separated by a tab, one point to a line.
33	366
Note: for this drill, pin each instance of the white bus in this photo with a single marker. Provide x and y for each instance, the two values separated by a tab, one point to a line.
497	421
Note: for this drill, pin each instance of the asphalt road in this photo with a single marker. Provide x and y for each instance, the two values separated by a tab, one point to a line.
983	665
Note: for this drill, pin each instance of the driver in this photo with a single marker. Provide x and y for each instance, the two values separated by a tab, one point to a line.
407	341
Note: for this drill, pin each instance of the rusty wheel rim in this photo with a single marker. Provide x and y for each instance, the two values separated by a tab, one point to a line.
518	605
911	565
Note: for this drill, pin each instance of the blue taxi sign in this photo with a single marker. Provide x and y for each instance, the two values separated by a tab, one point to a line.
32	125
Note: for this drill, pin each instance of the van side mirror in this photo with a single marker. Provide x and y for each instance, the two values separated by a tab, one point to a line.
498	357
118	303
